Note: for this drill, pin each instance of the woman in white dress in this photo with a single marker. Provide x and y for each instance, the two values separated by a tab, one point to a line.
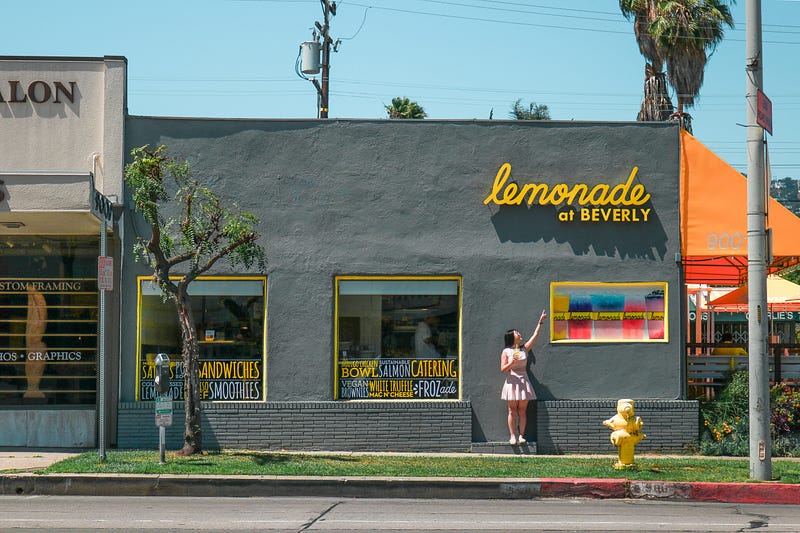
517	390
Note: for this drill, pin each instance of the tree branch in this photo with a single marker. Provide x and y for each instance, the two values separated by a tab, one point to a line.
244	239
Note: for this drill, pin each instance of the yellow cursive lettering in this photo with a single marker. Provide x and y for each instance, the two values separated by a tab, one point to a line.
499	182
602	194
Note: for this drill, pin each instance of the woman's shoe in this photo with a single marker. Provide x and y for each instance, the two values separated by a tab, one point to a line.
521	440
512	441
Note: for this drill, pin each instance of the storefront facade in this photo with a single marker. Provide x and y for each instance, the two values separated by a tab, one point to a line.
63	122
377	230
399	254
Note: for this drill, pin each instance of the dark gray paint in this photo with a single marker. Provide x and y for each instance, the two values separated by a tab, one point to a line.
406	197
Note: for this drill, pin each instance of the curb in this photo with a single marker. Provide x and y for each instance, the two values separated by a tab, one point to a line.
384	487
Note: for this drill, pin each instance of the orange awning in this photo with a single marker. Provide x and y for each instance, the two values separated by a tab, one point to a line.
713	198
782	295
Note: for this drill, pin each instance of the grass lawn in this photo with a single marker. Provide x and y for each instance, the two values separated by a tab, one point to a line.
242	462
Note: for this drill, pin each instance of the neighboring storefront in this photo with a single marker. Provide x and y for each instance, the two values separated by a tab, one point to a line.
62	125
784	326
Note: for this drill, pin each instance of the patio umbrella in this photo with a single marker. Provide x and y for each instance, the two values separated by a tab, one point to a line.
782	295
713	209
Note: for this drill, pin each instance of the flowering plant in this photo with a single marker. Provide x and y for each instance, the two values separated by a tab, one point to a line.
785	410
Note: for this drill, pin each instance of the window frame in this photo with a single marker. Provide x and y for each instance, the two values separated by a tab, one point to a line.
622	289
141	280
335	347
64	357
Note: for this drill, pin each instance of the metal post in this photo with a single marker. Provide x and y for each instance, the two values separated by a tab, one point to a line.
162	443
760	443
101	354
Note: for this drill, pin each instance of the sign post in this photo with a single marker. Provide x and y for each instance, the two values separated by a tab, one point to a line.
163	402
105	273
759	118
103	209
163	420
764	112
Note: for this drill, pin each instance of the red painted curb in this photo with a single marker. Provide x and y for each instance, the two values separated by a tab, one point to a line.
746	492
777	493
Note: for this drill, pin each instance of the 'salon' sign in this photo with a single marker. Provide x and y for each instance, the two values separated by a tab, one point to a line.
38	92
600	203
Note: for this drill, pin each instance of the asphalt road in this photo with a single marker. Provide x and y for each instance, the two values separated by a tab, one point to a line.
295	514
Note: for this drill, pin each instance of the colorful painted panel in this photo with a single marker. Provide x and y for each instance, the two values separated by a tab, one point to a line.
608	312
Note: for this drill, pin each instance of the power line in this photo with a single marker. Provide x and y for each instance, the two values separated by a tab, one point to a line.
517	4
479	19
531	24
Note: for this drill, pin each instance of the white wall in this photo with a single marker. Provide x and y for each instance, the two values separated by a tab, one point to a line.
63	132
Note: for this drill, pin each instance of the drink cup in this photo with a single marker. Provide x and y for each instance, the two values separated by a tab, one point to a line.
634	324
607	310
579	324
560	310
654	303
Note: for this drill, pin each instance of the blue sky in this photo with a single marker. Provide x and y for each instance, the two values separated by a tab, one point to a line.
459	59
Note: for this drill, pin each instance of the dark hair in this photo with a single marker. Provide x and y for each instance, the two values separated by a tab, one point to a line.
509	338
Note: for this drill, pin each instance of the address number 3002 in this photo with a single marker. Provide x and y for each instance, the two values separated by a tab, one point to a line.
724	241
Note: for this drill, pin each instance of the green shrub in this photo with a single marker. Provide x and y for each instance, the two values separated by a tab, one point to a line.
785	420
725	429
784	410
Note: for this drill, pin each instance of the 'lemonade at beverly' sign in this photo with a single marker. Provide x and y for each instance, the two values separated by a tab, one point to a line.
603	202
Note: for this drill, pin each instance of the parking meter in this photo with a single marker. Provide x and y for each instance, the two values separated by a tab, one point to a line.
163	402
162	374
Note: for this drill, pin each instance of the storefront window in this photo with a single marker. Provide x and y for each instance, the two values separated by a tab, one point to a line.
398	338
229	318
48	320
608	312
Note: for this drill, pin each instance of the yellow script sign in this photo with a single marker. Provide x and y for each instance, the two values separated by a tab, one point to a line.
624	198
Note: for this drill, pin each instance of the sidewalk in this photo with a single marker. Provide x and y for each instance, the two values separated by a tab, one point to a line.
23	481
27	460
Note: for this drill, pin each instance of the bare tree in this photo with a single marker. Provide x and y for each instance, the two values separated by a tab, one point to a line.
203	232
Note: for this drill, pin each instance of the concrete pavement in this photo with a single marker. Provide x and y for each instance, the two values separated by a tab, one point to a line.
17	476
27	460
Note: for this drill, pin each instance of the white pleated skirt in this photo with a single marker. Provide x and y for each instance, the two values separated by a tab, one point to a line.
517	387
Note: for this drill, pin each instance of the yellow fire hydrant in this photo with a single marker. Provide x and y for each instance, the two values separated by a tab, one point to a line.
625	433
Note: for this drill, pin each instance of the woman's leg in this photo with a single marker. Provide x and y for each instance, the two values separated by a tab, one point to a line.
512	423
522	414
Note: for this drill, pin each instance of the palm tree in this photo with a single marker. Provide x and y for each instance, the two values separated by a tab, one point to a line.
678	33
405	108
534	111
686	30
656	104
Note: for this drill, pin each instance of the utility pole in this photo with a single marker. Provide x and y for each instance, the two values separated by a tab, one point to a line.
328	10
757	253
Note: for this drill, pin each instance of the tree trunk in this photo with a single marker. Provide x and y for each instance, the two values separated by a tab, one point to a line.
192	434
656	105
683	119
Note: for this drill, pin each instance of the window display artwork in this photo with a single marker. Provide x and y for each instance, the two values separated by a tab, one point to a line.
229	317
608	312
48	320
397	338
